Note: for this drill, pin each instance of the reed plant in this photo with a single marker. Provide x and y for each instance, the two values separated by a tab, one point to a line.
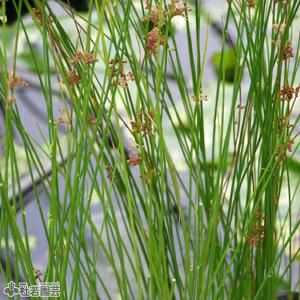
159	187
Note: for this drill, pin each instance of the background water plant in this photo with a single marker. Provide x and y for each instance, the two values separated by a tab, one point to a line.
157	187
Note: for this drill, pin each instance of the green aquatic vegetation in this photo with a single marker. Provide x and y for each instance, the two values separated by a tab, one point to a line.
228	64
161	186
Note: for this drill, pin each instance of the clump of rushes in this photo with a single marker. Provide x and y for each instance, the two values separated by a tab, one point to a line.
205	213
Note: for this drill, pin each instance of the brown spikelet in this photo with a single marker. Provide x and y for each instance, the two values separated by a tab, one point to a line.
154	39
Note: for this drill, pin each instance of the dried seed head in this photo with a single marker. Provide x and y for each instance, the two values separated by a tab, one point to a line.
133	161
200	98
178	8
63	117
283	149
257	230
287	93
15	80
148	4
289	145
280	28
89	58
86	57
288	51
253	241
280	155
144	125
157	16
73	77
277	44
130	76
251	3
77	57
38	17
117	67
154	39
283	124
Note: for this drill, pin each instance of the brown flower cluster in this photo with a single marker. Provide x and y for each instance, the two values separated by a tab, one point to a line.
134	157
86	57
251	3
147	4
279	27
15	80
38	17
144	123
257	230
288	93
283	149
63	117
288	51
283	124
159	17
134	160
154	39
137	156
73	77
117	67
178	8
200	98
